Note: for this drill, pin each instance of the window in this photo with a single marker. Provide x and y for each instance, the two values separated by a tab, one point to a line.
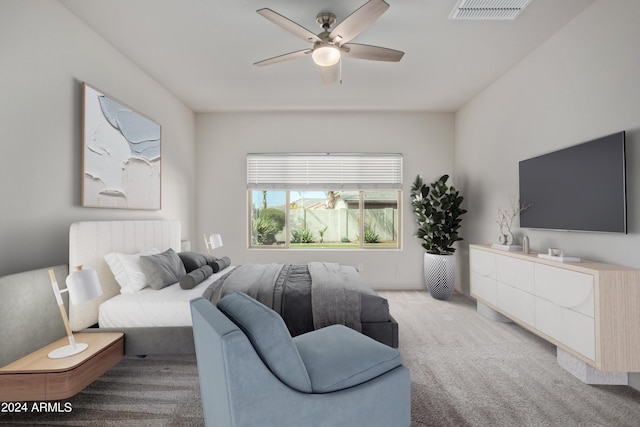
324	201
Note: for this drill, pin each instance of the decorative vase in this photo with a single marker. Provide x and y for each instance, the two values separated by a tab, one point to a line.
509	238
440	275
506	238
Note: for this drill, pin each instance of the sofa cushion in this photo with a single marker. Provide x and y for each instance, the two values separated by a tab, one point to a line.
269	336
337	357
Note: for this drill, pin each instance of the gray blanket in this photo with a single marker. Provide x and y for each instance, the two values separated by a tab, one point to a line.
255	280
335	295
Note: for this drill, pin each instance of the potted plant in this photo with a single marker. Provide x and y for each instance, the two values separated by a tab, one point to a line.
437	209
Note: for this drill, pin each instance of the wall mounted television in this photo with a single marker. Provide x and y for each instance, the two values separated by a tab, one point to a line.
579	188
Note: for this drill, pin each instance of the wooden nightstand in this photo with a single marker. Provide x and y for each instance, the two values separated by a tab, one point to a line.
36	377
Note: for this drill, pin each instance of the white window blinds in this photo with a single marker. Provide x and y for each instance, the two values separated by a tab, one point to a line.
324	171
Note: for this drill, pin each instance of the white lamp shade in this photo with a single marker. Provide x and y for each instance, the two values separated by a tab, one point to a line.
83	285
215	240
326	56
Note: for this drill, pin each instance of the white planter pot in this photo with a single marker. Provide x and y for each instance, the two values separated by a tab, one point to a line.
440	275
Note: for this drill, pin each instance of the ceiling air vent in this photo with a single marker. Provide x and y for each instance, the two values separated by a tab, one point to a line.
488	10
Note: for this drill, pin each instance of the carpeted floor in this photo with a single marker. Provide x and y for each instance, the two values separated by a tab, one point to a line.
465	371
145	392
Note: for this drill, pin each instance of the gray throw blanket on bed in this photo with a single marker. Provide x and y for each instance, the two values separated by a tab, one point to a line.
335	290
335	295
255	280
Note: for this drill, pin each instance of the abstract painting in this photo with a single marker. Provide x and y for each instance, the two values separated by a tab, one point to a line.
121	155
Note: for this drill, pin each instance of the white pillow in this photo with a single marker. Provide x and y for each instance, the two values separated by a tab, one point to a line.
127	270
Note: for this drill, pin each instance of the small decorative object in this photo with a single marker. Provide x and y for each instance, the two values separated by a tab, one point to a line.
121	155
437	209
555	252
82	285
525	244
505	220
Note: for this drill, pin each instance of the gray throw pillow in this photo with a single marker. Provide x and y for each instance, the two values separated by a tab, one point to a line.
219	264
162	269
195	277
194	260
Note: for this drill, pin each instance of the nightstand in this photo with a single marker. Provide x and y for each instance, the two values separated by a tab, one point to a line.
36	377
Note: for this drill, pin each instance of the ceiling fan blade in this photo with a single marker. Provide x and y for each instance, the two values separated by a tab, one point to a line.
287	24
285	57
372	53
330	74
358	21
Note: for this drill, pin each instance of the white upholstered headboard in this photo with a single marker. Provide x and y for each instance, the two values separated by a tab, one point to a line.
90	241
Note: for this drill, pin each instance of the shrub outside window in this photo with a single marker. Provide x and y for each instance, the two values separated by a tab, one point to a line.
307	219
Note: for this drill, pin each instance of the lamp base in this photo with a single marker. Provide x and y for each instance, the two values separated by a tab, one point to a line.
68	350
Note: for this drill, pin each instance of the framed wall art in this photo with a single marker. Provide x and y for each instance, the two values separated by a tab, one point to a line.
121	155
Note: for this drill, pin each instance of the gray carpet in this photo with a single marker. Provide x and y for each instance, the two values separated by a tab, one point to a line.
154	391
465	371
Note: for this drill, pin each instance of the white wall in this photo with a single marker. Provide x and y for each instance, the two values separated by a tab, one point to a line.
224	139
45	55
581	84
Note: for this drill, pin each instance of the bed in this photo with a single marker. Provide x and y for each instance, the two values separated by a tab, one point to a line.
165	324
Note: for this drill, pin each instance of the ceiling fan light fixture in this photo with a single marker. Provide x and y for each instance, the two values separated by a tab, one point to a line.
326	56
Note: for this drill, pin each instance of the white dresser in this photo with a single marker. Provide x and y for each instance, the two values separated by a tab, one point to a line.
587	309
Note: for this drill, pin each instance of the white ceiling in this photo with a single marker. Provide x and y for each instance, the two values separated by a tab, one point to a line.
203	51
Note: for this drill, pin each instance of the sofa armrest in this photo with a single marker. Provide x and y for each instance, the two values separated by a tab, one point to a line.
337	357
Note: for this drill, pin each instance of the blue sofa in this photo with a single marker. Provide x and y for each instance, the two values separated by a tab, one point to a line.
252	373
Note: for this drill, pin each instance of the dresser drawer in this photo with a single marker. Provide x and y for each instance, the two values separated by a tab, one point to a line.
483	287
516	302
565	288
515	272
483	263
573	329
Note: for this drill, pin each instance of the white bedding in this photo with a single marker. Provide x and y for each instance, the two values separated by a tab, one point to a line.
90	241
149	307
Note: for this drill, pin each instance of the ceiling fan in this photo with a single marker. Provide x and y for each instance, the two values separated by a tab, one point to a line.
331	45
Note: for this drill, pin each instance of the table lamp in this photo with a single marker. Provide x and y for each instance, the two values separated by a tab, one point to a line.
212	242
83	285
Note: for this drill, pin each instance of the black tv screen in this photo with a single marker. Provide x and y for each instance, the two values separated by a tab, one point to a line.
579	188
